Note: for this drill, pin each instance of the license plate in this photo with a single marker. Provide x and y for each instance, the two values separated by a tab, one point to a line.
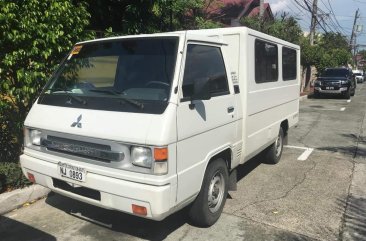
329	88
72	172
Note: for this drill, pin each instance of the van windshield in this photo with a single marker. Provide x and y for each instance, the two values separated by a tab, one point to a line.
132	75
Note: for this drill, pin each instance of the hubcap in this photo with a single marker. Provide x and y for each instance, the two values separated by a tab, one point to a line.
216	192
278	145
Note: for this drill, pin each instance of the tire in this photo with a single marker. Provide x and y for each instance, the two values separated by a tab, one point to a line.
316	95
207	207
353	93
347	95
274	152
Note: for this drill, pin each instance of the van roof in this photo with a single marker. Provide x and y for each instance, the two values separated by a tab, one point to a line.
204	33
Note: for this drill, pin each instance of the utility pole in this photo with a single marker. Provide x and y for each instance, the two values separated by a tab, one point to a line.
261	8
352	42
314	13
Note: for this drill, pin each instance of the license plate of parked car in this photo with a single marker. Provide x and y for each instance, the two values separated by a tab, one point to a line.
329	88
72	172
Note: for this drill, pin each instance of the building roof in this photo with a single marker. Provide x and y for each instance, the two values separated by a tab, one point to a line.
236	9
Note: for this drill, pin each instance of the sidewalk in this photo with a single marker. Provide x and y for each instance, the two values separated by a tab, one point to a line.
17	198
354	226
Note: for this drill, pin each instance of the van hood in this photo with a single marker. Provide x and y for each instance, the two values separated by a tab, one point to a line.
116	126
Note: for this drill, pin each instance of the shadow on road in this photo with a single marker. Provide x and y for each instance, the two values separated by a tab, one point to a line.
249	166
355	218
11	230
117	221
126	224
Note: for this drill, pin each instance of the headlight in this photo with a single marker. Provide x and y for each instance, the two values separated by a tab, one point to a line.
141	156
32	137
318	82
344	82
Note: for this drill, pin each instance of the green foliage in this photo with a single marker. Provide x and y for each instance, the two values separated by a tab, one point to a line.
34	36
9	131
141	16
329	41
11	176
330	50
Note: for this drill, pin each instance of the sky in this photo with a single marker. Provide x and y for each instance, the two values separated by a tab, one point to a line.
338	15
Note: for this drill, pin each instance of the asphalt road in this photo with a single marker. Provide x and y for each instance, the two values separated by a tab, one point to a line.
316	192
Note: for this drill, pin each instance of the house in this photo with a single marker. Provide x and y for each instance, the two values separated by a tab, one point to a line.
229	12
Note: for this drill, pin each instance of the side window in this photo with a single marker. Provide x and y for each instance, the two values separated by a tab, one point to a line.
205	63
289	64
266	62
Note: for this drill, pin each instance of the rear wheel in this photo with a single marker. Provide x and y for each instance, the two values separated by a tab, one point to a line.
207	207
274	152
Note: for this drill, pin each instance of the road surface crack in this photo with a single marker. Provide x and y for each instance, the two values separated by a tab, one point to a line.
287	193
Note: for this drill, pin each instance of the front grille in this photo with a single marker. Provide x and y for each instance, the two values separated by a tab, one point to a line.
94	151
333	84
82	191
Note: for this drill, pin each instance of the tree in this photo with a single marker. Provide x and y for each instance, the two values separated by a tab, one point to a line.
141	16
34	36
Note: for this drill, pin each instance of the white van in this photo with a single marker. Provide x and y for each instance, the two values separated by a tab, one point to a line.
148	124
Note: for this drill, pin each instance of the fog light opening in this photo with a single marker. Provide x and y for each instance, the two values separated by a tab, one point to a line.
31	177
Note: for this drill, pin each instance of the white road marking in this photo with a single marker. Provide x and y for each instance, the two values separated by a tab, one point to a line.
305	155
343	109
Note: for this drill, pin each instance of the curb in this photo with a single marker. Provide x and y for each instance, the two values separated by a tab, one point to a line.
14	199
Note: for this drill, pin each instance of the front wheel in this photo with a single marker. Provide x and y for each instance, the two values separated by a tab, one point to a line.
353	92
207	207
274	152
347	95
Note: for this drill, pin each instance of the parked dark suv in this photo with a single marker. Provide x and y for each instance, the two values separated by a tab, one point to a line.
336	81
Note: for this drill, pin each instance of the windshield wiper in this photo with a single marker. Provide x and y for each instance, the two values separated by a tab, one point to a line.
74	97
120	95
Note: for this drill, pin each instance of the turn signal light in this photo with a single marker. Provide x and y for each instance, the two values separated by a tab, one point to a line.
31	177
139	210
161	154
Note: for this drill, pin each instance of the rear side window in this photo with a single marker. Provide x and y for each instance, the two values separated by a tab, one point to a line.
289	63
266	62
205	63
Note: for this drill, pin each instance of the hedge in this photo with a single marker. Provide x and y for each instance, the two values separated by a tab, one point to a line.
11	177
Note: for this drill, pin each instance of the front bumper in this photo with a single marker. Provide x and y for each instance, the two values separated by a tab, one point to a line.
341	90
115	194
359	80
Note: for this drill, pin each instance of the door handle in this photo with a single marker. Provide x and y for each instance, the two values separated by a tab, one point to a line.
230	109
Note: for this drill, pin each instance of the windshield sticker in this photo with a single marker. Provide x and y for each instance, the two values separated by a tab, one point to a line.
76	49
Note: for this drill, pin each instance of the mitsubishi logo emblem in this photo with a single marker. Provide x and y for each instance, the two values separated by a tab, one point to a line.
77	122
